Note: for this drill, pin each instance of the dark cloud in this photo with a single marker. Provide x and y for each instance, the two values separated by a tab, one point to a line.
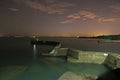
85	16
82	13
50	7
115	7
107	19
13	9
68	21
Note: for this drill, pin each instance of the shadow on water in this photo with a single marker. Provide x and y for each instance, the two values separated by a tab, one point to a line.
110	75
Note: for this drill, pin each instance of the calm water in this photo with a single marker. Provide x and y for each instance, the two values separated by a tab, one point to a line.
19	60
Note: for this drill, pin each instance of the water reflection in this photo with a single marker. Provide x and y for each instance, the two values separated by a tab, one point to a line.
34	52
16	63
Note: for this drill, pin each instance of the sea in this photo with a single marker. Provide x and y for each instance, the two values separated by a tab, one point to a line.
19	60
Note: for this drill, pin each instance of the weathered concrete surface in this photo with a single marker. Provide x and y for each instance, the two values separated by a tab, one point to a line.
74	53
77	76
86	56
59	52
113	61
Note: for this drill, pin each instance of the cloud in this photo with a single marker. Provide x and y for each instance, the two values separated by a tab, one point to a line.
71	18
87	14
68	21
13	9
50	7
74	16
82	13
115	7
107	19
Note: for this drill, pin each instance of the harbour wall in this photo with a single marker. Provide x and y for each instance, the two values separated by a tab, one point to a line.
111	60
86	56
59	52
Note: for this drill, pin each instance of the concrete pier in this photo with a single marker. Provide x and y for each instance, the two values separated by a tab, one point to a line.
111	60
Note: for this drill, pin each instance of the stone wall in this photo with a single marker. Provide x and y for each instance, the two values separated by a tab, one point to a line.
58	46
113	61
73	53
59	52
86	56
92	57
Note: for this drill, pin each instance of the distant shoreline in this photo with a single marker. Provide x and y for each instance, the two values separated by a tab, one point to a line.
100	41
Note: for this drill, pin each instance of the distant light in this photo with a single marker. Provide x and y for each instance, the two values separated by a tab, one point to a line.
37	39
105	54
33	36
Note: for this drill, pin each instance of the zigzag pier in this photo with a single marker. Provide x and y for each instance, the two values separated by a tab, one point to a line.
110	60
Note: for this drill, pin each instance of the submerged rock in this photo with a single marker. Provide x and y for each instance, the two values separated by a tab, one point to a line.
77	76
110	75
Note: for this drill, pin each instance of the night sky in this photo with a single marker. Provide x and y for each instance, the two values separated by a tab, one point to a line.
59	17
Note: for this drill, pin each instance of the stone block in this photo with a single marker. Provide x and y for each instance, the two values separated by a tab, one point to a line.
77	76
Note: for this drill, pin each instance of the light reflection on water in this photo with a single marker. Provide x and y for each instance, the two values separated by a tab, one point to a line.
23	62
34	52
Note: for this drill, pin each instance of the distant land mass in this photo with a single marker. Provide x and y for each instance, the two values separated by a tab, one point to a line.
108	37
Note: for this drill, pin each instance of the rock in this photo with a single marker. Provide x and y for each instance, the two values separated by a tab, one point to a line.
77	76
113	61
110	75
